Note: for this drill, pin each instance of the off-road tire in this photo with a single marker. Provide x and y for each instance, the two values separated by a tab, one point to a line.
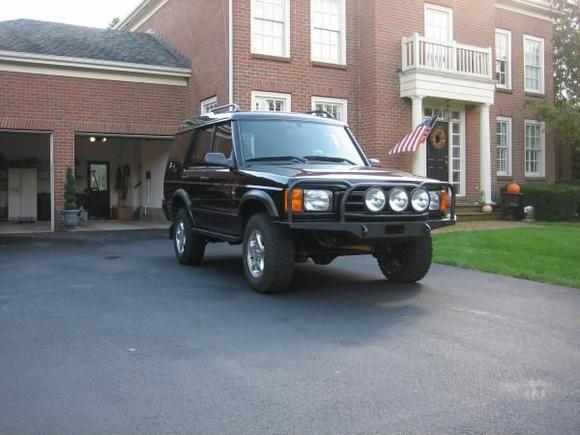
407	262
194	246
278	255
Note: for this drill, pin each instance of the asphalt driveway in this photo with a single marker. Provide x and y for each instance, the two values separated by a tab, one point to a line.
105	332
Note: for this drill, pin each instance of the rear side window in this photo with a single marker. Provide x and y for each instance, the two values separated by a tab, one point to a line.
203	146
180	147
222	142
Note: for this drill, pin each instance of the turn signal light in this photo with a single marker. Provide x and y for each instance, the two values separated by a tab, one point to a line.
443	203
296	202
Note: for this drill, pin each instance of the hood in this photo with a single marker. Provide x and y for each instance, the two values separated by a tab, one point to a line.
298	171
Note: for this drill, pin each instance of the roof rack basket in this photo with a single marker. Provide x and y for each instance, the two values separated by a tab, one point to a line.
196	120
234	108
321	113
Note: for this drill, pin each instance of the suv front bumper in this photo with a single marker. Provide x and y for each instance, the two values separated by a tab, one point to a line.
373	230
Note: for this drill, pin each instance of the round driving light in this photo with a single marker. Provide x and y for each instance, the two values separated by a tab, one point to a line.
435	201
375	199
420	200
398	199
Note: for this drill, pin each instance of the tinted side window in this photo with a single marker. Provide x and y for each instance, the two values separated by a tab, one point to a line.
204	140
222	142
180	146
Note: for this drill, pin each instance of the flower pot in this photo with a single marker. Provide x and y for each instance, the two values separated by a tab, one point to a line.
70	218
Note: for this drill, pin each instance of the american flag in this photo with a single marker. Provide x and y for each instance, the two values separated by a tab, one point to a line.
412	141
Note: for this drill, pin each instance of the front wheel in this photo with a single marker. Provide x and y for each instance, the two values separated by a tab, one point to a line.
268	255
189	247
407	262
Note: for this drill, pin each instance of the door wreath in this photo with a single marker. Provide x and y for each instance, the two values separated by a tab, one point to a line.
438	138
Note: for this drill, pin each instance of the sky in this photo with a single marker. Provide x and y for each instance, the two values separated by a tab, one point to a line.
93	13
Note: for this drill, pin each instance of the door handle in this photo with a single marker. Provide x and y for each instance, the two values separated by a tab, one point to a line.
204	178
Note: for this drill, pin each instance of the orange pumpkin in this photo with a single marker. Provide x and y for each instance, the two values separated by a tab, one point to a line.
513	188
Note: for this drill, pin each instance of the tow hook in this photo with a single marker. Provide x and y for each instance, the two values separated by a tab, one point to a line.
363	230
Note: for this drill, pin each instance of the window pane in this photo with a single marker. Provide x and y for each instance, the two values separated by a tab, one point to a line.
203	146
222	142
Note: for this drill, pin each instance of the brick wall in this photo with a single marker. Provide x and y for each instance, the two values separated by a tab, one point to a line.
198	29
66	106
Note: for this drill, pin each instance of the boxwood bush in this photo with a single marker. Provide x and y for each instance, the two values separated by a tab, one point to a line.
553	202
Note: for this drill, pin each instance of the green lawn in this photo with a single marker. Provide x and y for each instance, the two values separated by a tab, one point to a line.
549	253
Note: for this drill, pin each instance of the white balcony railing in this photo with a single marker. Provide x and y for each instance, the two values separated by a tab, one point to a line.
422	53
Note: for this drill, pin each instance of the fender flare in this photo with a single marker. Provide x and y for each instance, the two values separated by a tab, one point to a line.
183	196
262	197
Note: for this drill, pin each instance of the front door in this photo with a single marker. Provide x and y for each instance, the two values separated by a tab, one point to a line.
438	152
98	192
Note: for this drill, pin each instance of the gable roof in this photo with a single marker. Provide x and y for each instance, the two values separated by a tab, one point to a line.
65	40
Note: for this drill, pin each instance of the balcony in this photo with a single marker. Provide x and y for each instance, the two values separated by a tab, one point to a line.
446	70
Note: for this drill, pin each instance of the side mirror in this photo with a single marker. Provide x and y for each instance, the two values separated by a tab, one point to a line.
217	159
375	163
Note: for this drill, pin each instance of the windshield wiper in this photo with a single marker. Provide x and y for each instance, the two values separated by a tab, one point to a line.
276	158
329	159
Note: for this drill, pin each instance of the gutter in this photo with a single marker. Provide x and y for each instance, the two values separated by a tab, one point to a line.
231	51
92	64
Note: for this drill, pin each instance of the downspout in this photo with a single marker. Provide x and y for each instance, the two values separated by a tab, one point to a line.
231	51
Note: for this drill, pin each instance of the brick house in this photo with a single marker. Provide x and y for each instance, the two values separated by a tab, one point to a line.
380	65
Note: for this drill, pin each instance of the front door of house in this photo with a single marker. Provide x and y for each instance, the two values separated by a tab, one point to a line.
438	152
98	190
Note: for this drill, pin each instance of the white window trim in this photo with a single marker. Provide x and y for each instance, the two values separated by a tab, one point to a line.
342	34
507	33
260	94
509	146
429	6
542	172
542	64
286	53
207	102
318	100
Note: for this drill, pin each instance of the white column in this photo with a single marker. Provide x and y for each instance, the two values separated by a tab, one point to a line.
419	156
485	152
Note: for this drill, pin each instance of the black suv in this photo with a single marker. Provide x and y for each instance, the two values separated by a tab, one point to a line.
290	187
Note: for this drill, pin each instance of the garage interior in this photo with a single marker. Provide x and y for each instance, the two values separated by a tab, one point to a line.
25	182
120	179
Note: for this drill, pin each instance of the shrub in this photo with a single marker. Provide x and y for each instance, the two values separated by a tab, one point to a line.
553	202
70	191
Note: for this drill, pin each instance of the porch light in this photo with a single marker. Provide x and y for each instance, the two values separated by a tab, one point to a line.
104	139
92	139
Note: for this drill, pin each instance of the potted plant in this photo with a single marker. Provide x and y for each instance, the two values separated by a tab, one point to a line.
70	214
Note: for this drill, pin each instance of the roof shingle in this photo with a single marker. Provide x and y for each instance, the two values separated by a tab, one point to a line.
57	39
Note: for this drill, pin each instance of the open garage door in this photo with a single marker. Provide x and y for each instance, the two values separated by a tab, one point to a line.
25	182
121	178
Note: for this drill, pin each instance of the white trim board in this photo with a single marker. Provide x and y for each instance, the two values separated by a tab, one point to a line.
144	10
92	68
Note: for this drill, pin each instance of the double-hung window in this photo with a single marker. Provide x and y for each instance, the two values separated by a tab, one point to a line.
504	146
208	105
271	27
438	23
328	31
335	106
533	64
535	149
503	58
271	102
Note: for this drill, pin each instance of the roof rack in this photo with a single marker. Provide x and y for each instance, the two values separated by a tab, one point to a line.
234	106
202	119
322	114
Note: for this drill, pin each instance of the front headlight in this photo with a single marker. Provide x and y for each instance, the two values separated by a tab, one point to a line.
420	200
435	201
375	199
398	199
317	200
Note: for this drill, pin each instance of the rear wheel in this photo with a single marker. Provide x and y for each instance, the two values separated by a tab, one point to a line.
268	255
407	262
189	247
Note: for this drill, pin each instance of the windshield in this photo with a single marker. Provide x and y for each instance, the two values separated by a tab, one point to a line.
316	142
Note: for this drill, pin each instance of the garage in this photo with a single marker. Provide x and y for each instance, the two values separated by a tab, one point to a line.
25	182
121	178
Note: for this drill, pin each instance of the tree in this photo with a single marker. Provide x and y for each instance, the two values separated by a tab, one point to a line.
113	23
564	116
70	191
